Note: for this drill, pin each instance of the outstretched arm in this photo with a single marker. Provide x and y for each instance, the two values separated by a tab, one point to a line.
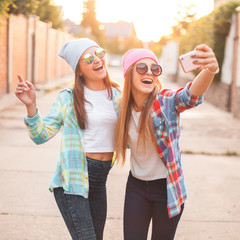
209	66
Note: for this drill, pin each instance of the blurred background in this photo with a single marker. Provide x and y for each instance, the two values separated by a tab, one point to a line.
32	32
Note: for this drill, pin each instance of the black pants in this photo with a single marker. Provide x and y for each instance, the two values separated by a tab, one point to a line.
85	217
146	201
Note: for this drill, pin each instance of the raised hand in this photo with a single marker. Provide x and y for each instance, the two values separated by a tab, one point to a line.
206	58
26	93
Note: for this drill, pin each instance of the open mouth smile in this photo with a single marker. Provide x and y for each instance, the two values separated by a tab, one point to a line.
98	68
147	81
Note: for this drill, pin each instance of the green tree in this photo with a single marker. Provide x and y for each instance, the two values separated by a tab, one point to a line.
89	20
185	16
46	11
25	7
4	6
211	30
49	13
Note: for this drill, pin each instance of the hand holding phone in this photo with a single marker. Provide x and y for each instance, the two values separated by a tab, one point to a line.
186	61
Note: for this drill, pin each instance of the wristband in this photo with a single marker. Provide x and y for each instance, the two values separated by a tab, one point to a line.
216	72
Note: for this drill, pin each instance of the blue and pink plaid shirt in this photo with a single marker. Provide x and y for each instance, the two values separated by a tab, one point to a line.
71	168
167	107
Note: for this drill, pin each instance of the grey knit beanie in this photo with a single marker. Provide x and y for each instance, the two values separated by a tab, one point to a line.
73	50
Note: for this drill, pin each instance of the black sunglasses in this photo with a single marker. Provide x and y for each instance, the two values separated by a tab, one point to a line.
142	68
88	57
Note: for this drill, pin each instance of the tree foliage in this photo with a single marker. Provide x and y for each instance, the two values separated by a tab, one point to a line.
25	7
117	44
4	6
46	11
211	30
49	13
185	16
90	21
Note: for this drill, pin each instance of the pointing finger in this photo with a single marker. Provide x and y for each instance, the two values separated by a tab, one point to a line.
20	78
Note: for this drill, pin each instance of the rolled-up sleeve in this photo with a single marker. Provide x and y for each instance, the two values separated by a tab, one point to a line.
184	99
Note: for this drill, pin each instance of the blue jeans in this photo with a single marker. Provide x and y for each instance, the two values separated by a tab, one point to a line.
85	217
146	201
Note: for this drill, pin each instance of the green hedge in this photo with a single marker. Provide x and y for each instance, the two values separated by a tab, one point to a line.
211	30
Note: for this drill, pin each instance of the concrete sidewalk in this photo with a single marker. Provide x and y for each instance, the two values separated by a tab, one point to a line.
210	136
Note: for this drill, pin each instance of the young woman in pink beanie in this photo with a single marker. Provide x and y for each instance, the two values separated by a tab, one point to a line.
148	124
87	114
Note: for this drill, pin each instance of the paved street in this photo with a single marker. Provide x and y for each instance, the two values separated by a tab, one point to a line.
211	145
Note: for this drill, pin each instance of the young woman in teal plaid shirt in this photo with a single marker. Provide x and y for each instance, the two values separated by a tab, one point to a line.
87	115
149	124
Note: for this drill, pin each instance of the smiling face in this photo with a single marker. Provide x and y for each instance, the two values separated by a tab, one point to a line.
143	84
95	72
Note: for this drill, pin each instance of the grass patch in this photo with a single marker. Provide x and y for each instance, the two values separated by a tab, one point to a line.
227	153
230	153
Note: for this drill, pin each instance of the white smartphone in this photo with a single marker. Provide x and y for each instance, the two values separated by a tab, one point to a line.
187	62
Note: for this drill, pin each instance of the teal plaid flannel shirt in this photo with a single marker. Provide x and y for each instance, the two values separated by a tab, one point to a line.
71	167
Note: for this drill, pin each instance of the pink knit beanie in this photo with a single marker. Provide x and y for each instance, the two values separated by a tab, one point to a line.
134	55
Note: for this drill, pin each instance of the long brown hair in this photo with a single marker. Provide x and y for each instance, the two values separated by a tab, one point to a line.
79	99
145	128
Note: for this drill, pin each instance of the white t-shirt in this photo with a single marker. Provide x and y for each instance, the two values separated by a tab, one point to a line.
145	164
99	133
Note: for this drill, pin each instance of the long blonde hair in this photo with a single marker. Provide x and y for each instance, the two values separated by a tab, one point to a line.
145	128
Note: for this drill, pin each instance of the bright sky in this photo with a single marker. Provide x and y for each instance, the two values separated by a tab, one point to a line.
152	18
